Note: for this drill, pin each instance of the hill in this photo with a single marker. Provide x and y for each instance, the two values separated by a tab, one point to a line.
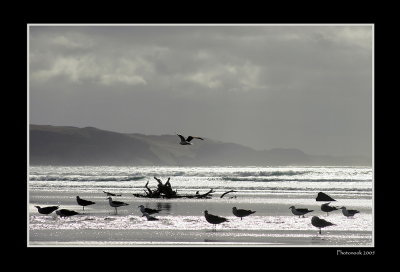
65	145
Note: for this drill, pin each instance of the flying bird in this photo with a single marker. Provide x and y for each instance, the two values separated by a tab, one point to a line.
66	213
241	212
214	219
348	213
46	210
320	223
188	139
299	211
148	210
116	204
323	197
84	202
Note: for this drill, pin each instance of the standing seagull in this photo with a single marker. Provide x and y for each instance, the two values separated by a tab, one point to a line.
84	202
348	213
214	219
188	139
149	217
111	194
46	210
116	204
66	213
299	211
148	210
320	223
326	208
241	213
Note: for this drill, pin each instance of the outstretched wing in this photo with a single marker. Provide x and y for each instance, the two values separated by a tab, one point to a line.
193	137
182	138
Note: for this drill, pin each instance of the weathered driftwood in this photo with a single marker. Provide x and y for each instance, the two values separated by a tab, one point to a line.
165	191
231	191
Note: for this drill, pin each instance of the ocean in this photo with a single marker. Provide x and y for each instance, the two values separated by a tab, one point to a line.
269	191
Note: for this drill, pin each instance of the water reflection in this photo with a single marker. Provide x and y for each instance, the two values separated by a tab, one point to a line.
164	206
214	240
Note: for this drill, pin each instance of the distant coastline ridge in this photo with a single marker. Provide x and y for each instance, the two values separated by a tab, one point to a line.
67	145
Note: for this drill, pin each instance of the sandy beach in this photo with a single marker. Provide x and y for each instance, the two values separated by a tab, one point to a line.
182	222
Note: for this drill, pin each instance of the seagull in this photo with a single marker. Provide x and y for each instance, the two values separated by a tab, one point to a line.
241	213
299	211
66	213
110	194
323	197
84	202
348	213
326	208
149	217
214	219
46	210
148	210
320	223
188	139
116	204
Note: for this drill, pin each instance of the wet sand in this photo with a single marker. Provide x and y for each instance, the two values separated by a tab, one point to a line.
182	223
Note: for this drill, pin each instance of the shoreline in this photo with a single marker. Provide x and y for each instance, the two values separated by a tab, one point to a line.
182	223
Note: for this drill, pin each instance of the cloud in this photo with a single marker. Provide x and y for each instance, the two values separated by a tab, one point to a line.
308	87
72	41
103	71
227	77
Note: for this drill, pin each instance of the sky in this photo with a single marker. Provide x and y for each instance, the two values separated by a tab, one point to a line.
263	86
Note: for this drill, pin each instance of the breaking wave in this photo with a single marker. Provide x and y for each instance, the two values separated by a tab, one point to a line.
271	173
283	180
84	178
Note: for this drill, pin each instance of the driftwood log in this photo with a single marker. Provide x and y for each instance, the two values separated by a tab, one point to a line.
165	191
231	191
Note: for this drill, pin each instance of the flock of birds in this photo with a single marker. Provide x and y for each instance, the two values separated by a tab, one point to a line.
210	218
319	222
315	220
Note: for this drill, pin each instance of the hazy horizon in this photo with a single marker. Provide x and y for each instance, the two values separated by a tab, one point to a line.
261	86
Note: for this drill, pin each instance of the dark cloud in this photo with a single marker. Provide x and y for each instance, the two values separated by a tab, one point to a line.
308	87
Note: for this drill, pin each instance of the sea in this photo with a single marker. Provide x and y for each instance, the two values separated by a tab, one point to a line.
269	191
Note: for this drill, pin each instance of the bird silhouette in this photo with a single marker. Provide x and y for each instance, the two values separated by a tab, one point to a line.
348	213
111	194
300	211
66	213
148	210
116	204
326	208
241	212
149	217
214	219
188	139
320	223
84	202
46	210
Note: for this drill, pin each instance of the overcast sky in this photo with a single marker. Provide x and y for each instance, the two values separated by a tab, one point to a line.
263	86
